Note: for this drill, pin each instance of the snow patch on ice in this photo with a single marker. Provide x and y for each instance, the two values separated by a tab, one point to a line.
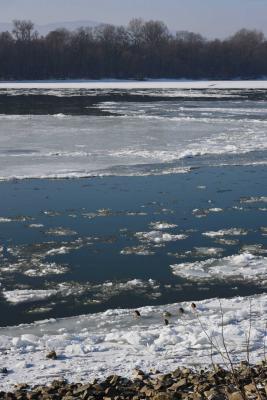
27	295
158	237
237	268
162	225
226	232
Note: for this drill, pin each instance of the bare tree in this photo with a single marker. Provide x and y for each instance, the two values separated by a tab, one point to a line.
24	30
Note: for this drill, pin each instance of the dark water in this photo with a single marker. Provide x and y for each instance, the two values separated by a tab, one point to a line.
127	205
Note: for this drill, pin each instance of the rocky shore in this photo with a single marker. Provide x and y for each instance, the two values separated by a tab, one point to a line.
247	382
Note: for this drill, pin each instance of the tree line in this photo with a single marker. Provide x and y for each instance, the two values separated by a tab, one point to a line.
143	49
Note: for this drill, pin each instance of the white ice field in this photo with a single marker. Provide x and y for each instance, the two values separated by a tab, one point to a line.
136	138
132	84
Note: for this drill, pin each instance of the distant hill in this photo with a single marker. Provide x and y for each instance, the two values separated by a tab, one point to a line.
44	29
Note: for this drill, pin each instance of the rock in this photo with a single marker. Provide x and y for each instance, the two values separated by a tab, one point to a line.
176	373
197	396
213	394
164	377
139	374
9	396
250	388
32	396
98	387
21	386
111	391
82	389
52	355
235	396
159	386
162	396
204	387
186	371
147	391
113	379
180	384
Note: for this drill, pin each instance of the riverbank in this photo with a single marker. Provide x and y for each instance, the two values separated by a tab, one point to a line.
243	382
117	341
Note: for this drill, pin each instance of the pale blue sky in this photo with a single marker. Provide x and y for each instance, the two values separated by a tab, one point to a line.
210	17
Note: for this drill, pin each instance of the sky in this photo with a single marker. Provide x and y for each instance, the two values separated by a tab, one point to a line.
211	18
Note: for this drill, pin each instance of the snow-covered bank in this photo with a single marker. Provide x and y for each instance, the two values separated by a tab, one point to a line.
132	84
116	342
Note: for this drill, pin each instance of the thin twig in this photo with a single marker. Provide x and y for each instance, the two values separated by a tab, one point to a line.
249	333
264	343
241	390
248	336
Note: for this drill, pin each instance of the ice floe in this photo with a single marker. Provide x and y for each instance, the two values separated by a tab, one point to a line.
244	267
17	218
198	252
226	232
45	269
162	225
137	250
254	249
27	295
35	259
200	213
60	231
158	237
207	251
36	226
85	292
254	199
227	242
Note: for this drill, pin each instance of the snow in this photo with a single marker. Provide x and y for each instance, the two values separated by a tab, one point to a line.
244	267
99	345
149	84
